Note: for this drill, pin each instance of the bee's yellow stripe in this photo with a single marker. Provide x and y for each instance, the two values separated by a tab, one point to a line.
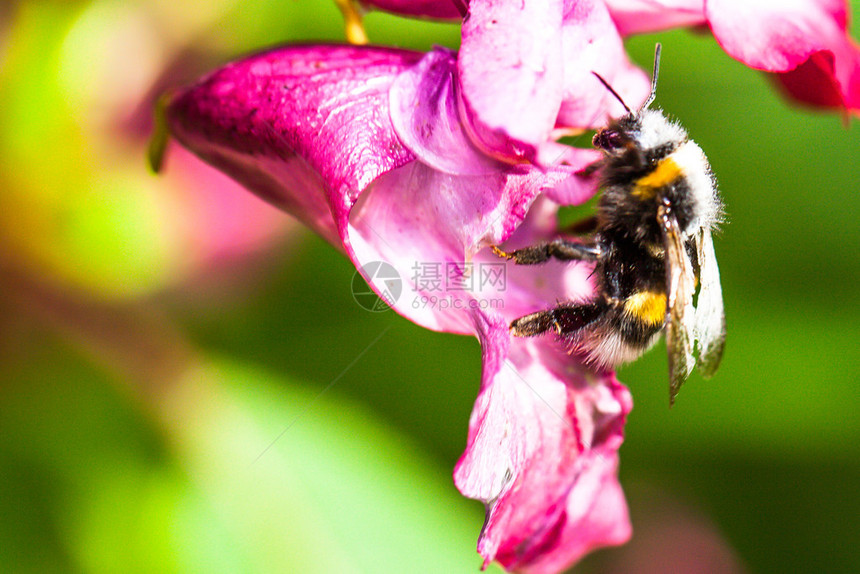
647	306
665	173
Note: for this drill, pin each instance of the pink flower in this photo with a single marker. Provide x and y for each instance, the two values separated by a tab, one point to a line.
424	160
368	147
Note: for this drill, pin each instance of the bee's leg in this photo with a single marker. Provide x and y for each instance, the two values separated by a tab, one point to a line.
564	319
560	249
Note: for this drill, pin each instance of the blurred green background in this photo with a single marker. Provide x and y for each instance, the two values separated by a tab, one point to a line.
187	385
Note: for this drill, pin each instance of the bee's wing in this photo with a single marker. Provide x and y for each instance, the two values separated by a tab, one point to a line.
710	327
680	313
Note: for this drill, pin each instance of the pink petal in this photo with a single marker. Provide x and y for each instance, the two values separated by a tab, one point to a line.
590	44
815	81
425	116
542	455
283	124
644	16
544	434
576	187
442	9
782	36
510	67
775	36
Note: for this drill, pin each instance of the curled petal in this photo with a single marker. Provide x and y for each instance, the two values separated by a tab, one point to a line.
425	116
510	70
542	455
815	81
644	16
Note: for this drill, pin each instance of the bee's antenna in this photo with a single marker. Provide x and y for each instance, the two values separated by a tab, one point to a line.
654	74
611	91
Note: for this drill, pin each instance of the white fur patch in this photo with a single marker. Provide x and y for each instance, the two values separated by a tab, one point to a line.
658	130
694	165
606	348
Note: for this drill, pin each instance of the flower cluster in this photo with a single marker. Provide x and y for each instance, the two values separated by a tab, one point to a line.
409	158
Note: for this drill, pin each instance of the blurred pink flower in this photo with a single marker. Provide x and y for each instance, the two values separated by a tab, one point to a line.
215	215
368	147
804	42
72	218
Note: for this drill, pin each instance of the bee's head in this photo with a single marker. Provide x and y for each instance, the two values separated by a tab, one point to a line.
624	134
619	135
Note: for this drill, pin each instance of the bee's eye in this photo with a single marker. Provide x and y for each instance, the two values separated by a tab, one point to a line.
608	139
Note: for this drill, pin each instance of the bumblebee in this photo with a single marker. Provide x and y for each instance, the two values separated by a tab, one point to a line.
652	250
